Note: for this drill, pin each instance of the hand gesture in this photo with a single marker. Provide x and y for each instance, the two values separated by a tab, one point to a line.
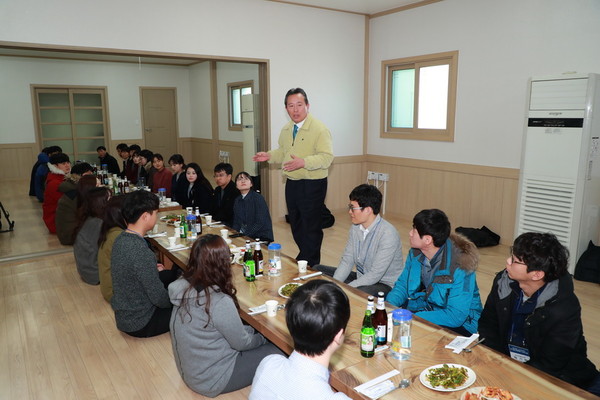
294	164
261	156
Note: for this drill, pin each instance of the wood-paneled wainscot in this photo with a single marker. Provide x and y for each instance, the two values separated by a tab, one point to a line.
471	195
16	160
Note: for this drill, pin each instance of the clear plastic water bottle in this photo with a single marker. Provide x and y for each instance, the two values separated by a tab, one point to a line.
274	259
401	340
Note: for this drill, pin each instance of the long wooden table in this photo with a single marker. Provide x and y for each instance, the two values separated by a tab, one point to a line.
349	369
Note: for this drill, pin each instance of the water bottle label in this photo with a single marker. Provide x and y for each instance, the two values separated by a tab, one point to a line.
405	342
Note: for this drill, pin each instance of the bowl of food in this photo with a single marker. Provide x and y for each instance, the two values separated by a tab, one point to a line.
447	377
286	290
488	393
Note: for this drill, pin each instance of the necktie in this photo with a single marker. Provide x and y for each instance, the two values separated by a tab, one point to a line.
295	131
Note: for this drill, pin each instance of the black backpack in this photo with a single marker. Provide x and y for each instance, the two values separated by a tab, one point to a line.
588	265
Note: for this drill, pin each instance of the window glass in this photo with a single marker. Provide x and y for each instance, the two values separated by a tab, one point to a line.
403	94
433	97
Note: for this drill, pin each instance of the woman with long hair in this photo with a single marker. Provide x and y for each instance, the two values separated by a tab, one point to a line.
214	351
198	192
178	181
113	223
87	231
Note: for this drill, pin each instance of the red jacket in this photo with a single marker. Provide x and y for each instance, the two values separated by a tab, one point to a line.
51	196
162	179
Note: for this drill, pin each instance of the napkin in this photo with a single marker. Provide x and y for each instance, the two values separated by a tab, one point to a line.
460	342
178	247
376	388
154	235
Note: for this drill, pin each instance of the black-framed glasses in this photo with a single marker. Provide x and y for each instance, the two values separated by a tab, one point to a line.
512	258
352	208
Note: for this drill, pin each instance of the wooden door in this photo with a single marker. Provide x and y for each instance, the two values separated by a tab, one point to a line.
159	118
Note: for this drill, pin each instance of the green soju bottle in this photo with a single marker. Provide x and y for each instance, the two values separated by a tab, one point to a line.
367	337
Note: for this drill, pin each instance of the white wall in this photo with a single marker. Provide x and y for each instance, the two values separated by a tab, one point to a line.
321	51
200	101
122	82
501	44
229	73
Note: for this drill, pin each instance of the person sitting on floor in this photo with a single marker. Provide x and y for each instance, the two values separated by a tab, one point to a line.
197	192
533	315
225	194
112	165
317	314
162	176
113	224
59	166
373	246
250	211
140	297
179	181
214	351
66	209
87	233
438	282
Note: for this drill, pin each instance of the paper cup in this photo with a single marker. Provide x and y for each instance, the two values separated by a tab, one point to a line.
208	219
167	200
302	264
271	307
172	240
224	233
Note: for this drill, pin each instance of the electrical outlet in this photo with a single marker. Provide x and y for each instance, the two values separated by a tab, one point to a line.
372	175
383	177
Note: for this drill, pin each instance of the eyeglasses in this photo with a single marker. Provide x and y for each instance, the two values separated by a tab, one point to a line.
512	258
352	208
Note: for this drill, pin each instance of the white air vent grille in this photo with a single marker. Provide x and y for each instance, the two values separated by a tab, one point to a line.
547	206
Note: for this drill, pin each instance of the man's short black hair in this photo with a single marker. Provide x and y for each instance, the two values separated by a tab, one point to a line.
542	252
176	159
367	196
147	154
293	91
81	168
228	168
101	148
315	313
59	158
434	223
54	149
137	203
122	147
135	147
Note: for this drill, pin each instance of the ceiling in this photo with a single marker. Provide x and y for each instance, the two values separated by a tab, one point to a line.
366	7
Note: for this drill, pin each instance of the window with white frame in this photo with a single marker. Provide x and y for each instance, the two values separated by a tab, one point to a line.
418	97
236	90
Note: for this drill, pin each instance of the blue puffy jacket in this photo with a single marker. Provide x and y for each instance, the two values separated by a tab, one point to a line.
40	176
452	299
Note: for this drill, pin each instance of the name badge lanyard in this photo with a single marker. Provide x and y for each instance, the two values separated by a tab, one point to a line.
369	239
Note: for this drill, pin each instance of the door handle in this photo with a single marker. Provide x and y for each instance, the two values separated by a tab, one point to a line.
148	130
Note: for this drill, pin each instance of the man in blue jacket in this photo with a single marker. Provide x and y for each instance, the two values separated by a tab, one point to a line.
438	282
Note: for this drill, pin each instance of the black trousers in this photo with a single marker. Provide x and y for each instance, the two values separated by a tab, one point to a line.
305	199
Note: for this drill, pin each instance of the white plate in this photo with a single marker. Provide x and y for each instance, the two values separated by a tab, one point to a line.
470	378
282	286
478	389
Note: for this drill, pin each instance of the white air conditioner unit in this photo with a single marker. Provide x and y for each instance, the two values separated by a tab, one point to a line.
559	189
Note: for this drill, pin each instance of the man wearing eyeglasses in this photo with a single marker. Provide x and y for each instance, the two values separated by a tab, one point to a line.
305	152
438	282
225	194
373	246
533	314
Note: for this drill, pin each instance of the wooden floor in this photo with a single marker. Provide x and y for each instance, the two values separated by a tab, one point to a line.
58	338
